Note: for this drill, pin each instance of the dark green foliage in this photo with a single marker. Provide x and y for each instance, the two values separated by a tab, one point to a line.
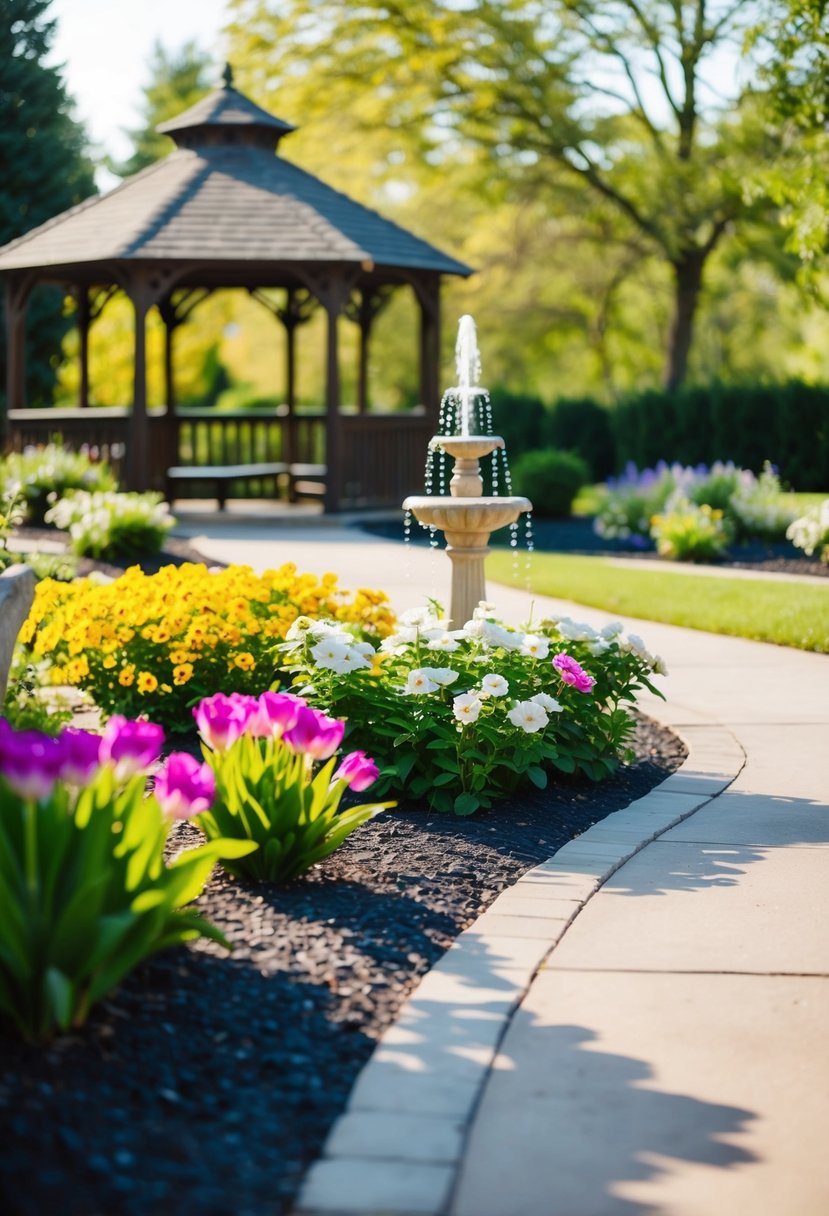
550	479
522	421
584	427
44	167
787	424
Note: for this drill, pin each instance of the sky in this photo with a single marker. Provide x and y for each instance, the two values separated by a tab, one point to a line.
105	46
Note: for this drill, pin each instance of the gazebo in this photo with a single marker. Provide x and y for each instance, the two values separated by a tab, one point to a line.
222	210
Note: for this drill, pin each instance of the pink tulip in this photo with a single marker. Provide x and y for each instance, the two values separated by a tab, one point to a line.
130	746
30	762
573	673
358	771
314	734
222	720
275	713
184	787
81	755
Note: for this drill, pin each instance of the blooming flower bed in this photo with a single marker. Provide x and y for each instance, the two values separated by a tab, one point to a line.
106	523
504	707
159	643
811	531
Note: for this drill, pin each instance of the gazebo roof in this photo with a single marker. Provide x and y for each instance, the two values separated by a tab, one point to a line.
223	196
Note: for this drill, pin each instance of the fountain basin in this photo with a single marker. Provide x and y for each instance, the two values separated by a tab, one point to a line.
467	447
467	522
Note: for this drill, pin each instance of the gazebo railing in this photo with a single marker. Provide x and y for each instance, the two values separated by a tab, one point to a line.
383	455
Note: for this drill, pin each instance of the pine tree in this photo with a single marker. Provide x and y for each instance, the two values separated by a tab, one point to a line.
44	169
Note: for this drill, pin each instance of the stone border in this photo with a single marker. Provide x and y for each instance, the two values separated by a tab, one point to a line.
396	1149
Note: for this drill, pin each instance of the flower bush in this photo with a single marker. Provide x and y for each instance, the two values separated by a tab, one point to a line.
659	503
688	532
462	717
811	531
162	642
85	890
262	753
44	474
104	523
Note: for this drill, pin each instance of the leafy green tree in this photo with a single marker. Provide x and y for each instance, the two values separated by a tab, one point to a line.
45	168
619	95
177	80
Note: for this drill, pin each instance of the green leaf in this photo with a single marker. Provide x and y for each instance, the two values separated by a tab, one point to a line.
466	804
60	996
537	776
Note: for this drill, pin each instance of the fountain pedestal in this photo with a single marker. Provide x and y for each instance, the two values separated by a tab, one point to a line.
467	518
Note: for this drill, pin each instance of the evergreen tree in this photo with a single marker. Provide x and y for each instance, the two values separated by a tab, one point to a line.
177	80
44	169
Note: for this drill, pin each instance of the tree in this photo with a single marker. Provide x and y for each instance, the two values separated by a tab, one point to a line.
620	95
177	80
44	165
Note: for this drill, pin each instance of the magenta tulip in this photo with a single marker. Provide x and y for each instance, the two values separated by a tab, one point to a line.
221	720
30	762
130	746
314	734
81	755
358	771
184	787
276	712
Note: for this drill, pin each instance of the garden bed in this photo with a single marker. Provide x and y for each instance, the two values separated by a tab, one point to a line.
206	1083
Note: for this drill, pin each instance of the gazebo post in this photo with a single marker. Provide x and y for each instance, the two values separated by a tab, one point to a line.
16	300
137	454
84	322
428	295
333	301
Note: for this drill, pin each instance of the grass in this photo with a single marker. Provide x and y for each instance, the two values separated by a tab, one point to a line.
766	610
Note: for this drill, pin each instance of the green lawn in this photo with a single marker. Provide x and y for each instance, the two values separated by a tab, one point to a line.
767	610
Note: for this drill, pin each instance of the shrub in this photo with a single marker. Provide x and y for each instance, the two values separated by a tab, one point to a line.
550	479
169	639
85	890
509	709
632	501
811	531
758	508
44	475
262	753
586	428
688	532
112	525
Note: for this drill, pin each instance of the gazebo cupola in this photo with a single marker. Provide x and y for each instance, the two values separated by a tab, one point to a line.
222	210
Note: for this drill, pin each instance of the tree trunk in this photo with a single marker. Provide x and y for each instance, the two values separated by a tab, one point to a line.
687	286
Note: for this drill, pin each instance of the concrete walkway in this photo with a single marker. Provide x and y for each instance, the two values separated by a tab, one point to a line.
639	1026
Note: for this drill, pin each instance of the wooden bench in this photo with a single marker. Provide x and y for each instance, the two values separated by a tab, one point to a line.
221	475
307	481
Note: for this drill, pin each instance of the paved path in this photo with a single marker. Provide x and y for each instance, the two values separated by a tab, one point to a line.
638	1026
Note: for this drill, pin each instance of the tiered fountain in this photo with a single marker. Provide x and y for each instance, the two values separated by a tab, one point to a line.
465	515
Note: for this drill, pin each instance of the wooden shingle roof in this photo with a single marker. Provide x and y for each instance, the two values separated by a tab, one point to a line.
224	196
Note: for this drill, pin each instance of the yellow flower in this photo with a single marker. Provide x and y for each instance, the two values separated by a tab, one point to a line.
126	677
245	661
182	673
147	682
108	663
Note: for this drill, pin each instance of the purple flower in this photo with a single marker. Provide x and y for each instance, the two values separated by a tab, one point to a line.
275	713
222	720
314	734
130	746
358	771
30	762
184	787
81	755
573	673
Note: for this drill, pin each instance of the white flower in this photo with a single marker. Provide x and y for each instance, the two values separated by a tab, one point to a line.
483	610
494	685
659	665
332	655
496	635
549	703
440	675
396	643
612	630
419	618
328	649
419	683
447	641
529	715
599	646
576	631
633	644
466	707
535	646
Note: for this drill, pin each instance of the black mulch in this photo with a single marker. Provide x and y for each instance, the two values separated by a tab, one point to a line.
206	1084
576	535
